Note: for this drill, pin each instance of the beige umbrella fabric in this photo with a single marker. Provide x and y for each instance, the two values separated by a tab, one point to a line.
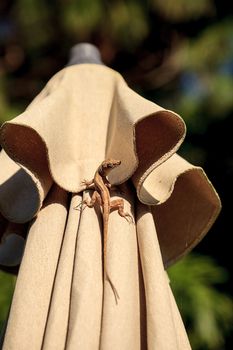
86	114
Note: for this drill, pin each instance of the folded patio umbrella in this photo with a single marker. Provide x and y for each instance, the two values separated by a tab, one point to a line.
85	114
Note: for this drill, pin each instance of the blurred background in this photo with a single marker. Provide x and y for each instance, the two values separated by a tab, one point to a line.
178	54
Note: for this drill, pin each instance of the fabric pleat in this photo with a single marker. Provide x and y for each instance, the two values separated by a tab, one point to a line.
85	114
67	305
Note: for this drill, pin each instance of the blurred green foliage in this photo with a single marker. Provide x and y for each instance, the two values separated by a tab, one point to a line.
207	312
7	283
178	54
183	9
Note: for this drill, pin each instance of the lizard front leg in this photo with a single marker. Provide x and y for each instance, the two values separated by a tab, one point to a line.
90	203
88	184
118	204
95	197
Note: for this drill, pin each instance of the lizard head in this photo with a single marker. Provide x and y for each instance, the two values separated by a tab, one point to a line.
108	164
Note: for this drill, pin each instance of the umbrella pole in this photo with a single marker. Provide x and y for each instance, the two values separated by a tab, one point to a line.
84	53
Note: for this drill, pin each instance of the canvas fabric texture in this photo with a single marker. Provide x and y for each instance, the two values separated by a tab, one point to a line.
85	114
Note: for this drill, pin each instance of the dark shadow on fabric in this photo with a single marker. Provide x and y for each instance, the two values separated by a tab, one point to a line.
142	301
21	190
156	135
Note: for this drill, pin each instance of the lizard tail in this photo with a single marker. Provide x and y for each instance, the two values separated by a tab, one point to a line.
106	275
115	292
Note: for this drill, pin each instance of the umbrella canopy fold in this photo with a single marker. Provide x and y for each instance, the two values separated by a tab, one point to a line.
85	114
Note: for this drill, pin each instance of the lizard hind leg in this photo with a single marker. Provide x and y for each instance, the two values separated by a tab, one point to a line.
118	204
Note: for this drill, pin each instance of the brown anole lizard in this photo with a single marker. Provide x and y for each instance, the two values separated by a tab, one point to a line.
101	194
